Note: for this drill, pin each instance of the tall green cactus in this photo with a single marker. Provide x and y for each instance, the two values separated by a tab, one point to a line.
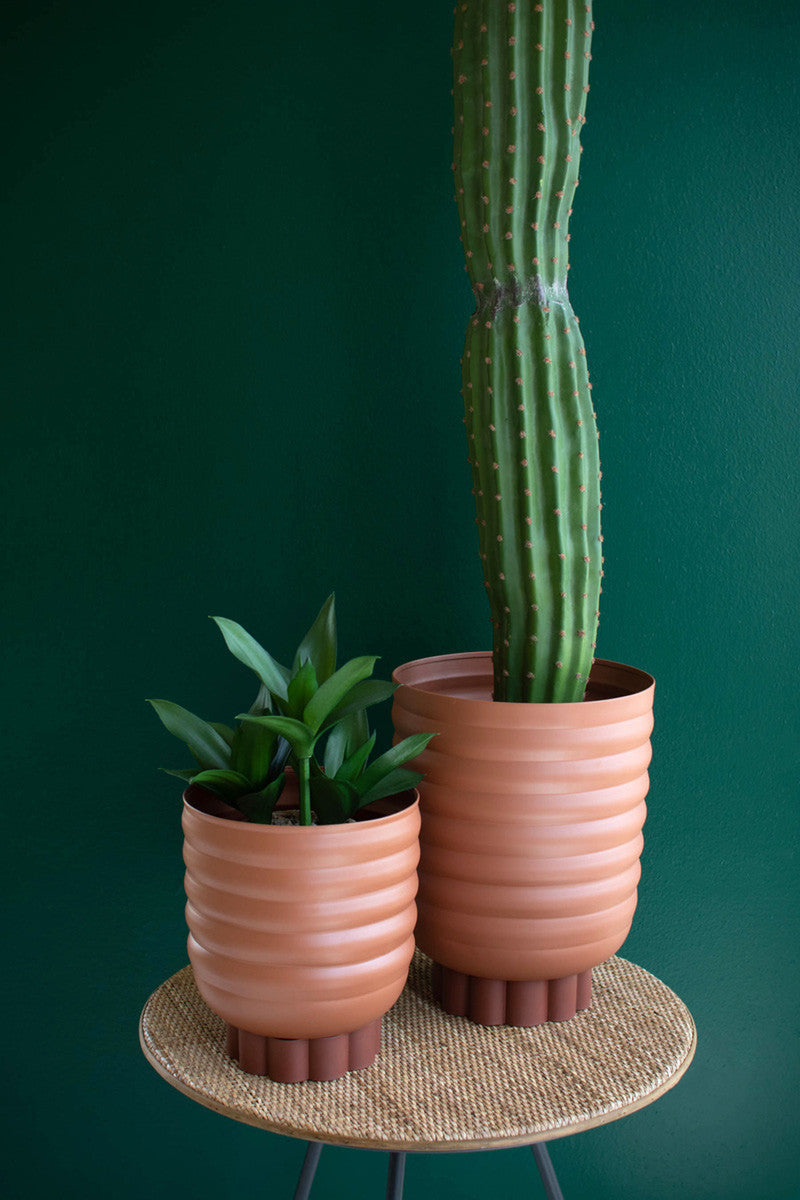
520	84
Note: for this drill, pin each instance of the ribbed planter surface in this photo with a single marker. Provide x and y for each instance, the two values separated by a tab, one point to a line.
301	932
532	818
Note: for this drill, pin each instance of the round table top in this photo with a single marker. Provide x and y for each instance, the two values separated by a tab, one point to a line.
441	1082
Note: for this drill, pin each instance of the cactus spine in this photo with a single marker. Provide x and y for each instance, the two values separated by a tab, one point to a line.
520	84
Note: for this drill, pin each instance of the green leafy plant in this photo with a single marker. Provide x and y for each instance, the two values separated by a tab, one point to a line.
294	710
243	766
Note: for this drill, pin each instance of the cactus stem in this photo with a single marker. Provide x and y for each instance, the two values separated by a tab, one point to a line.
503	109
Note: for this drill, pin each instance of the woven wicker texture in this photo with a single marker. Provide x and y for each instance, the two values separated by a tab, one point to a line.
440	1082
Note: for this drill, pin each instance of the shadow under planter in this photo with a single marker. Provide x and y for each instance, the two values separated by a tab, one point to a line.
300	938
531	835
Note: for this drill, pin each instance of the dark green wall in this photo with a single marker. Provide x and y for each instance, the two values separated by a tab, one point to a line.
235	309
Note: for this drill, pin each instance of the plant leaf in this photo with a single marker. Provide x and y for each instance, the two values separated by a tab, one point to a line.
187	774
355	723
206	744
263	701
259	806
282	753
319	644
345	737
297	734
333	800
224	731
352	767
301	688
399	780
335	749
363	695
253	750
227	784
410	747
333	692
248	651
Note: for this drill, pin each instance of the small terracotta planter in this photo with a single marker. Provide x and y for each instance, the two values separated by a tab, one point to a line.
301	938
532	820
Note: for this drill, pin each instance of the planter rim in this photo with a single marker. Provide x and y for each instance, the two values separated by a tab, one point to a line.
640	682
327	832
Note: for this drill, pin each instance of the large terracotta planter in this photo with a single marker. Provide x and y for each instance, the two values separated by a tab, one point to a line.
532	820
300	938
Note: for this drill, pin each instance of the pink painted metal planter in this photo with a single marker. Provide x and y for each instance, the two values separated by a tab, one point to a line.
532	820
300	938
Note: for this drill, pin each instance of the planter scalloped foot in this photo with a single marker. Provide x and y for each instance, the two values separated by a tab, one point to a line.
519	1002
296	1060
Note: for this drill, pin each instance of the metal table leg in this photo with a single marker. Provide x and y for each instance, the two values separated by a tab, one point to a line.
303	1189
551	1189
397	1167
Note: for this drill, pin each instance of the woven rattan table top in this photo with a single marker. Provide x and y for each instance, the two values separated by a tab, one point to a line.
440	1082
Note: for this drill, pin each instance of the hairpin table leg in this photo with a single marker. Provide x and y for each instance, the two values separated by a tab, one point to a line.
551	1188
397	1166
303	1189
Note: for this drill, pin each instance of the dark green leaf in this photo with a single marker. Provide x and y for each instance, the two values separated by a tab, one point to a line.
410	747
333	692
352	767
282	753
355	723
399	780
259	806
299	736
345	737
335	749
300	690
227	784
333	800
248	651
319	644
363	695
224	731
208	747
263	701
253	750
187	774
